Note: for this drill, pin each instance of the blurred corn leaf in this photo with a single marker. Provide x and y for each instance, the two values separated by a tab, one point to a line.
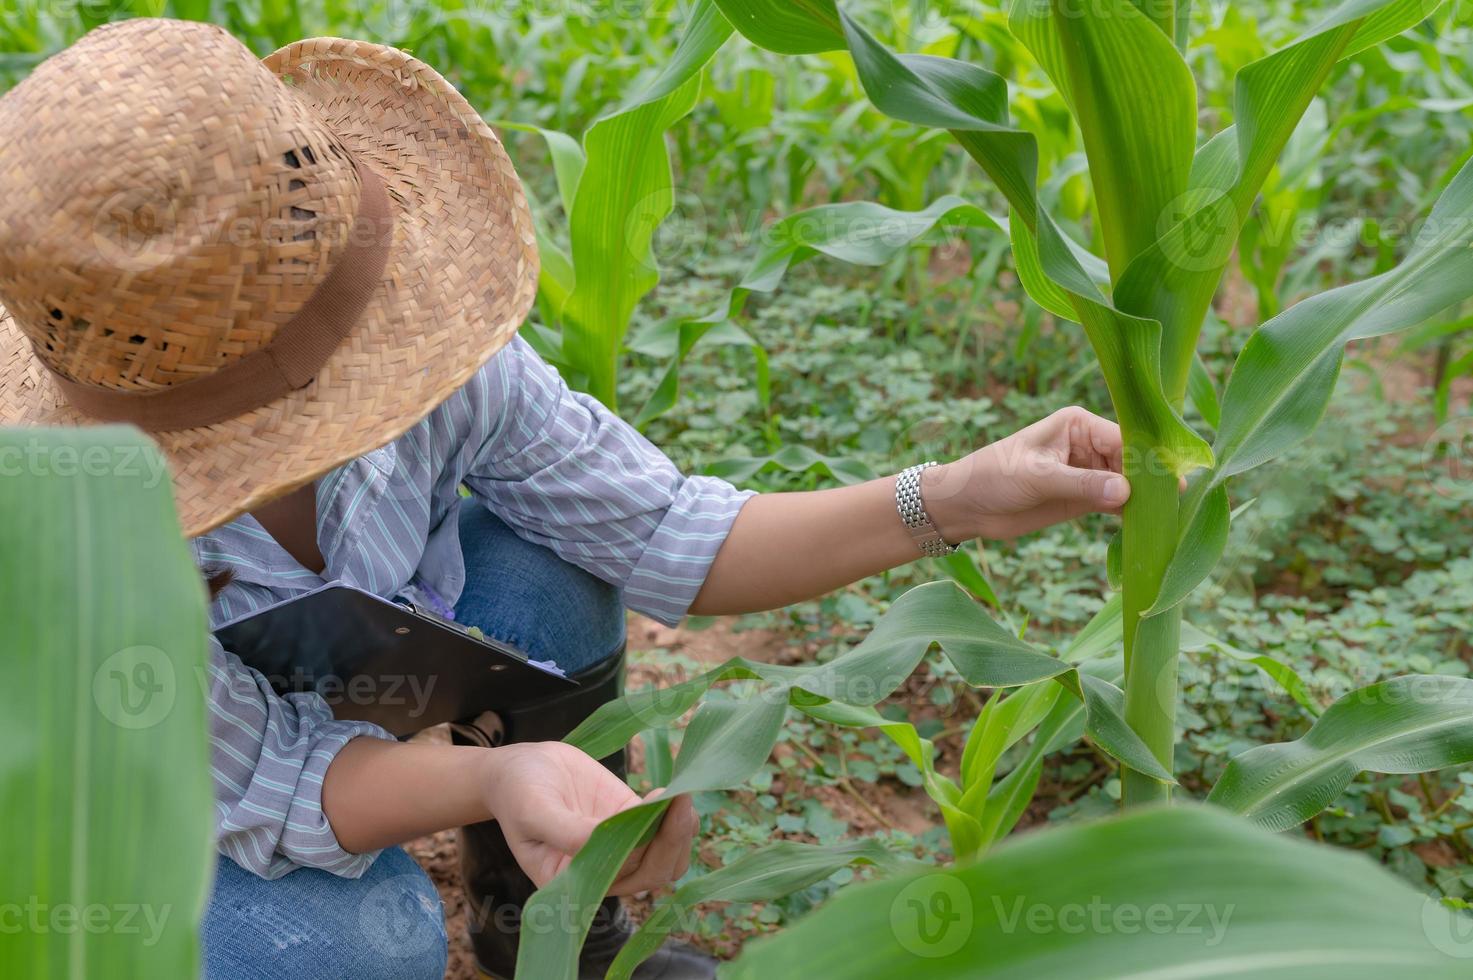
104	768
1410	724
1179	892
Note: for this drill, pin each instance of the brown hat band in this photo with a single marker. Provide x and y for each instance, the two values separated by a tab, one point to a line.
289	361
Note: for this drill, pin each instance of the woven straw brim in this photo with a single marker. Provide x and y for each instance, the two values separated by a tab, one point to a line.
460	278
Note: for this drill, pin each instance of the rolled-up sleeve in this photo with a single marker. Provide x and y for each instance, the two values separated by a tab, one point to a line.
268	757
567	473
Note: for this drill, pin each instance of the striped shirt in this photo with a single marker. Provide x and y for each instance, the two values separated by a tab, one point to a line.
554	464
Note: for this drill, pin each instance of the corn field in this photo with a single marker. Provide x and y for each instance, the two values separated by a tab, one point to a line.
1237	229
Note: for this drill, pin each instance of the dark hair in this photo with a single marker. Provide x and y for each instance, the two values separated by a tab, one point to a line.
217	579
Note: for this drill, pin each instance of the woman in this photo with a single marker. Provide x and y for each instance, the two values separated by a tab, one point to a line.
307	291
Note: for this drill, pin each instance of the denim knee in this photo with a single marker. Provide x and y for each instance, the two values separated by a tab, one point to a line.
526	595
387	925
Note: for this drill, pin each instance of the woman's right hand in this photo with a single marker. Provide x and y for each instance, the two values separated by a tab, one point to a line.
549	796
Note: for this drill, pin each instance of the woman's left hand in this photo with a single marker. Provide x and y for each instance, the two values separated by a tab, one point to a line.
1056	469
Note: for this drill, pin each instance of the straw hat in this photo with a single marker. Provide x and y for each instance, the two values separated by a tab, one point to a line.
273	267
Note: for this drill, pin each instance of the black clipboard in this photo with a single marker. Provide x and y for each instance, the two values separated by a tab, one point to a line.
389	663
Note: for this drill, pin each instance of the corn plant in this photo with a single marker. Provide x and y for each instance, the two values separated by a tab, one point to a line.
1168	213
104	768
615	190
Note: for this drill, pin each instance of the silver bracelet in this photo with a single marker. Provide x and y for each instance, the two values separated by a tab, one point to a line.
913	512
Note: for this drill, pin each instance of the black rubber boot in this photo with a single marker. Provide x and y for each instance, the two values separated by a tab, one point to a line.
496	889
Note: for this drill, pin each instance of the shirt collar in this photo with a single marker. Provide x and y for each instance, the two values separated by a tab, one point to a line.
346	497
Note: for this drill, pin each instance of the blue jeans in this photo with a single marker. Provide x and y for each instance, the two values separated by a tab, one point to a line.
524	595
389	924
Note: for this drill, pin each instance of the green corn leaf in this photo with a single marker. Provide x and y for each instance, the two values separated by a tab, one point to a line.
1001	725
724	746
623	194
971	102
104	760
963	568
568	159
1115	561
1228	900
555	280
1195	639
1204	535
1411	724
1129	351
659	756
1286	373
983	652
1136	105
1104	708
961	826
984	742
1102	634
1203	393
1384	21
1061	728
1174	280
571	900
1040	288
768	873
555	277
1007	801
963	830
860	233
787	26
612	726
918	750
